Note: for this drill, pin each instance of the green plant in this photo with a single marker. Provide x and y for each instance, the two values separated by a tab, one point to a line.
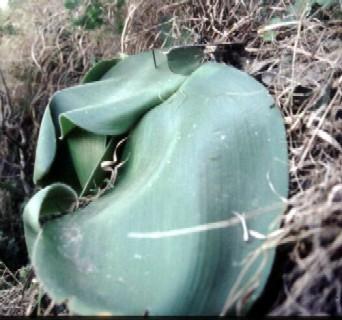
8	28
294	12
90	16
203	169
71	4
119	15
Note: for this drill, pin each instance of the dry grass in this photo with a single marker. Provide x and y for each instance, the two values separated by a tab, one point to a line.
21	295
46	54
301	68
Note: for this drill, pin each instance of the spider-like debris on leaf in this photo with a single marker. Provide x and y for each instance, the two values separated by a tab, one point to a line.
113	166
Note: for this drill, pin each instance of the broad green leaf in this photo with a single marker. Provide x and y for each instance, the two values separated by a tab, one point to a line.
167	238
98	175
111	106
86	150
51	201
100	68
46	147
184	59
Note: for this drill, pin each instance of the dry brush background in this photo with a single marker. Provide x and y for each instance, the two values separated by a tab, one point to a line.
295	51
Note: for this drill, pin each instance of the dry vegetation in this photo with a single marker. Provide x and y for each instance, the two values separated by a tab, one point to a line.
298	60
